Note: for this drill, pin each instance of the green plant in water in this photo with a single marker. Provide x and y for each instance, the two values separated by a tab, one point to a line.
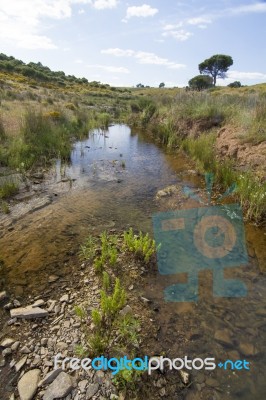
87	250
141	245
127	379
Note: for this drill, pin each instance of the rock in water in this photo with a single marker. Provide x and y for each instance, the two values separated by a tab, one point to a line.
27	385
60	387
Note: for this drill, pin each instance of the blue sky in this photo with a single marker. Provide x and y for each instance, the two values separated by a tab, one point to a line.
128	42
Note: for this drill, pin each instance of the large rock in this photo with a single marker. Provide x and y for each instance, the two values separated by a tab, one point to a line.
60	387
28	312
28	384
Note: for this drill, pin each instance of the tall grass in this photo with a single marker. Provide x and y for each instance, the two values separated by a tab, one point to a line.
250	190
2	129
202	150
45	136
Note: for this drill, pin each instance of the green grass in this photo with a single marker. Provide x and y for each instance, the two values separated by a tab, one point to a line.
202	150
250	190
8	189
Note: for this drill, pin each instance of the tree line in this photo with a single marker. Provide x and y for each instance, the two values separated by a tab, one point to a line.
37	71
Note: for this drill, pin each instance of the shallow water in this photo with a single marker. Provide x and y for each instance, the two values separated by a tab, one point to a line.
111	182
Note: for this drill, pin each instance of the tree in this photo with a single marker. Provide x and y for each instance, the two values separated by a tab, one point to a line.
162	85
200	82
235	84
140	85
216	66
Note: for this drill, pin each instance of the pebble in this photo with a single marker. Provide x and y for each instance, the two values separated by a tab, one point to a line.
248	349
3	296
92	390
212	382
38	303
223	337
82	385
25	350
64	298
184	377
20	364
53	278
126	310
15	346
7	342
12	321
6	352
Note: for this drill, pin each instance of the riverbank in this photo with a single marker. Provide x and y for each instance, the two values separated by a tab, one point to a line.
222	129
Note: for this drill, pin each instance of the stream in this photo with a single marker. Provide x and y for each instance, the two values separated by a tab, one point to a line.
111	182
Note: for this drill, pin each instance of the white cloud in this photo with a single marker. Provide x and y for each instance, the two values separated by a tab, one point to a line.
151	58
171	27
143	57
238	75
118	52
78	61
179	35
199	21
249	8
141	11
110	68
202	21
21	21
103	4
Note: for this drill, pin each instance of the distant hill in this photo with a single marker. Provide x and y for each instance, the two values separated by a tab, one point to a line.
40	73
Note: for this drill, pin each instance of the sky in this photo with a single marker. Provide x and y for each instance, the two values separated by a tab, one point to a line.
124	43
